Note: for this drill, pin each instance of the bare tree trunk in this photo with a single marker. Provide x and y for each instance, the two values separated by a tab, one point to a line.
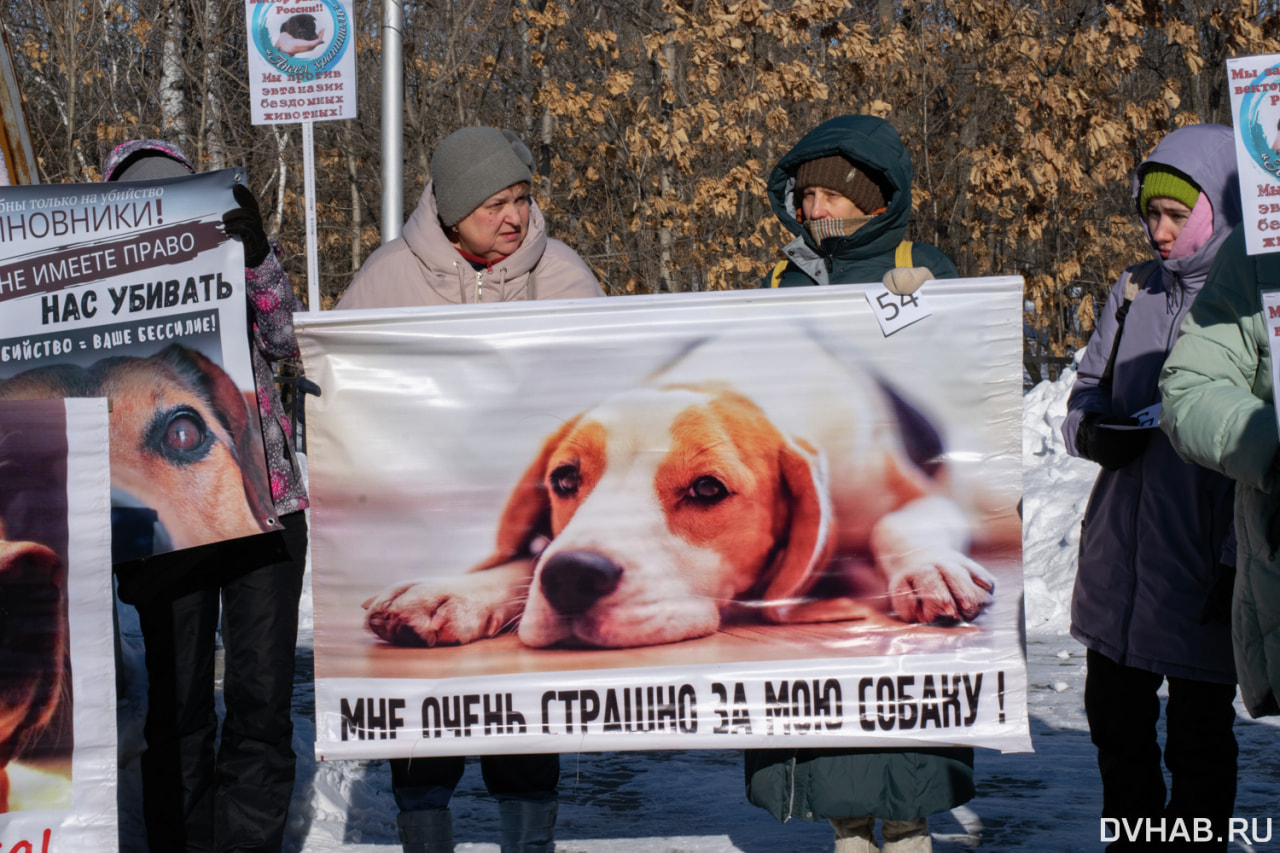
73	74
665	238
547	121
357	214
282	172
211	107
548	130
173	118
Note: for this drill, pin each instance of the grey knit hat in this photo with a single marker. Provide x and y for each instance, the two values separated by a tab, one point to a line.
522	150
470	165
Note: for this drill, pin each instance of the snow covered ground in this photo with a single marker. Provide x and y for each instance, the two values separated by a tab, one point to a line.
693	801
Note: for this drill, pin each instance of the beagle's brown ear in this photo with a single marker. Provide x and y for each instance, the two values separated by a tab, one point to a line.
809	537
527	515
35	589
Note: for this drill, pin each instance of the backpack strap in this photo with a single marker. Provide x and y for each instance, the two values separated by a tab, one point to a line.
1133	282
776	276
902	255
901	258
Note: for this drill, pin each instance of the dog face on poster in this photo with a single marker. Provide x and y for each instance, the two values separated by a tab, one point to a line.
185	440
719	490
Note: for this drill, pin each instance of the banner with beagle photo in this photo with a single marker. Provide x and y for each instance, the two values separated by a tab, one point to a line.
738	519
57	705
134	291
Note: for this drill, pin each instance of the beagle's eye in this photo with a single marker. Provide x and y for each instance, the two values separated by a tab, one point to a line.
565	481
181	436
184	433
707	490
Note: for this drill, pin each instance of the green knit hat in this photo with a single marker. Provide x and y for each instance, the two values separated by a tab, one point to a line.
1161	180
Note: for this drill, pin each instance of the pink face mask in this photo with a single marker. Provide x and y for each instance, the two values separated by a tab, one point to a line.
1196	232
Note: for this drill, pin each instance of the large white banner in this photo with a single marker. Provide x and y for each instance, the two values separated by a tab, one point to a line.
690	521
135	292
57	681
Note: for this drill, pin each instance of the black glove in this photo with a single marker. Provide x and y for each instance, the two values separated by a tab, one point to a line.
1111	448
1217	607
245	222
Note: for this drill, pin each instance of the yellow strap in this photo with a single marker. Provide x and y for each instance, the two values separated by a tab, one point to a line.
777	273
902	257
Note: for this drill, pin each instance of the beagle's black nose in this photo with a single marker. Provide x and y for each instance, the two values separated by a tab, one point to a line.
573	581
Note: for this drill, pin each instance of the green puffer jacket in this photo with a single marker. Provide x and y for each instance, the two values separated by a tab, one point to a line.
1218	412
868	254
898	784
817	784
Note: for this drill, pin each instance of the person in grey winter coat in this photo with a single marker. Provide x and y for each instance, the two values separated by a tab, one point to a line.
476	236
1155	547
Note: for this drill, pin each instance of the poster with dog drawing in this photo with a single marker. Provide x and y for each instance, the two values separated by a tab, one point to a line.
679	521
135	292
57	683
302	60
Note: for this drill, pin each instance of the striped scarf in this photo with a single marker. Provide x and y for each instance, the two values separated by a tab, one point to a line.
832	227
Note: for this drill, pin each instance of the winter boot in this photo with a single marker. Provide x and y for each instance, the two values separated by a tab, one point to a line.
853	834
527	826
426	830
907	836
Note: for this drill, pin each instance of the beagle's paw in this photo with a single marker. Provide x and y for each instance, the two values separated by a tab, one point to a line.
944	586
444	612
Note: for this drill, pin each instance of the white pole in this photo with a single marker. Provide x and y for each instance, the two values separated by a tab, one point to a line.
309	190
392	119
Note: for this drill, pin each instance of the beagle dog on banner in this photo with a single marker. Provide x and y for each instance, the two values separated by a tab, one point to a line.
740	482
185	441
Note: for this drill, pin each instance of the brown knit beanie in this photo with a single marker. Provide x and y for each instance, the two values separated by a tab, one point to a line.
837	173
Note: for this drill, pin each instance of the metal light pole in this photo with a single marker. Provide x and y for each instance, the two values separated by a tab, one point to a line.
392	119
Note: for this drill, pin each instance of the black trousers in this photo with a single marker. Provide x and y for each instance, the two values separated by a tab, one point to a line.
428	783
1200	749
236	799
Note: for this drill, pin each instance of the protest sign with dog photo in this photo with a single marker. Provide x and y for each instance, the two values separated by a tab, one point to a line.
704	520
135	292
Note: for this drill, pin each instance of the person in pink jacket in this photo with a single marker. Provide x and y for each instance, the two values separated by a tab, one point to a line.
205	789
476	236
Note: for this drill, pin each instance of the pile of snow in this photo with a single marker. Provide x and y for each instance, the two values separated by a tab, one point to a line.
1055	490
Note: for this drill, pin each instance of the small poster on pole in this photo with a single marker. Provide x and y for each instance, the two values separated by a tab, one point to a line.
1254	82
302	60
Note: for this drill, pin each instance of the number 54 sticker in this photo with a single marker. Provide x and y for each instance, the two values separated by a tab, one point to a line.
894	311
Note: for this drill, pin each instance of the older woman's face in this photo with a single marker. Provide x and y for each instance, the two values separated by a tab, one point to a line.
497	227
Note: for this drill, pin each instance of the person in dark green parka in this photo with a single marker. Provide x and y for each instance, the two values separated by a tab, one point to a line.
866	160
845	192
